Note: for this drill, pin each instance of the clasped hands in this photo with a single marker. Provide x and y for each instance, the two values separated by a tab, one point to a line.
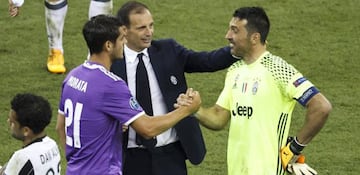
190	98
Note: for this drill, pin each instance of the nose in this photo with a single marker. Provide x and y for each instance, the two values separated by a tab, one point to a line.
228	35
149	30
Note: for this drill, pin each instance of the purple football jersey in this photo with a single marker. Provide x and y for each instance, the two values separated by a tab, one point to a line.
95	103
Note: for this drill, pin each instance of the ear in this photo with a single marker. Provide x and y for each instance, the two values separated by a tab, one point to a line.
26	131
255	38
108	46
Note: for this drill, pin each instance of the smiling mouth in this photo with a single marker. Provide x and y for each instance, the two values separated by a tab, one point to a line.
146	40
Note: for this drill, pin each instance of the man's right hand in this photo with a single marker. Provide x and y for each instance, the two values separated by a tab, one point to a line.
190	99
195	98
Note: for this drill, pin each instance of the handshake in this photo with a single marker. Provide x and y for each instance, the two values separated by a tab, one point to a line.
190	98
293	161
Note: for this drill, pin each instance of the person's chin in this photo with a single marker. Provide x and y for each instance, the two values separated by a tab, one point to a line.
147	44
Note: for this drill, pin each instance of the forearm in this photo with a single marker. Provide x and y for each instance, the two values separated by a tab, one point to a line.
317	113
152	126
62	138
214	118
60	129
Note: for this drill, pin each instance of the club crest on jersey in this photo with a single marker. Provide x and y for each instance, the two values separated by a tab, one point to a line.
299	81
173	80
134	104
255	86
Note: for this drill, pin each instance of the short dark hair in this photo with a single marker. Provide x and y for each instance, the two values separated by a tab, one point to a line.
99	29
130	7
257	19
32	111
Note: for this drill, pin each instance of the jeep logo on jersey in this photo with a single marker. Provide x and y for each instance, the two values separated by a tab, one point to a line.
245	111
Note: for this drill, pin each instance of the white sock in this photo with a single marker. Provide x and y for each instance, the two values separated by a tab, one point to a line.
100	7
55	13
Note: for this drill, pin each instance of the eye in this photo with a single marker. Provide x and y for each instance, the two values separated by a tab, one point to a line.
234	29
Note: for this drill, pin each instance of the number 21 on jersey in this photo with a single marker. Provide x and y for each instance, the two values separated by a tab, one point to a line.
73	114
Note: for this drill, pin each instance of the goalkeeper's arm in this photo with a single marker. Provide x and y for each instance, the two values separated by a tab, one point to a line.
214	118
318	109
317	112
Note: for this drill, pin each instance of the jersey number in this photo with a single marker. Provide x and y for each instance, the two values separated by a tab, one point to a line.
52	172
73	118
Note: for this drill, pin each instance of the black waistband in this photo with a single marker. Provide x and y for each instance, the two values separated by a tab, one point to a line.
57	6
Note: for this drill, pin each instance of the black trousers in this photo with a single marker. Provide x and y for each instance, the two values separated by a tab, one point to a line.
164	160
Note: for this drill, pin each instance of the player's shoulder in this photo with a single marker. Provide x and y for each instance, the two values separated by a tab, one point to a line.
235	65
277	65
49	140
45	142
280	70
106	74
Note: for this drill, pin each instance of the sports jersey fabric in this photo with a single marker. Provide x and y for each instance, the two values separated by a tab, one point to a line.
40	157
261	97
95	103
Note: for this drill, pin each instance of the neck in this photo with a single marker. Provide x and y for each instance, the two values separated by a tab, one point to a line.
29	139
101	58
254	54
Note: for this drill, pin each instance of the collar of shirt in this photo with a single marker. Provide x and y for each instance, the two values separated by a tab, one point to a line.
131	55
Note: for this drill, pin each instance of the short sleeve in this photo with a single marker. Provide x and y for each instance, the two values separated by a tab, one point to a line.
301	89
119	103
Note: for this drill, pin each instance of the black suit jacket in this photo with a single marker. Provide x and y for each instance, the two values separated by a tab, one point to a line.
170	61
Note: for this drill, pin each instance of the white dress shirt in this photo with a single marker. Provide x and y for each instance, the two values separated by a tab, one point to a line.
158	105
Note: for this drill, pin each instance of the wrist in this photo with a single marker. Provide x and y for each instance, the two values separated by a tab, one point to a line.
199	113
296	147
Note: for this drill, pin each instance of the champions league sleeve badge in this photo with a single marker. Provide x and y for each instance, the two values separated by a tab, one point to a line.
134	104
